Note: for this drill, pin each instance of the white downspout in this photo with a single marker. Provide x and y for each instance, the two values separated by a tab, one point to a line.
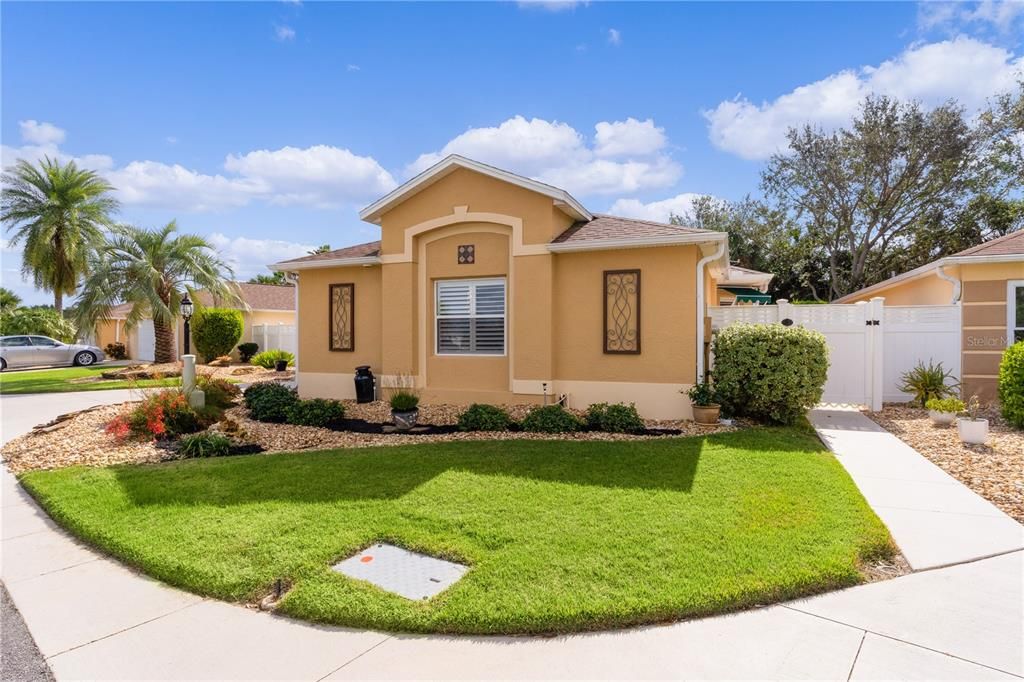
952	280
702	306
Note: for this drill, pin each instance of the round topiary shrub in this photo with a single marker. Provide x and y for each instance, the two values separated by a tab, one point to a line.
269	402
247	350
316	412
215	331
770	372
1011	385
551	419
480	417
617	418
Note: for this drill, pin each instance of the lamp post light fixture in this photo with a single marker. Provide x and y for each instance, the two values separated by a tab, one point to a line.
187	308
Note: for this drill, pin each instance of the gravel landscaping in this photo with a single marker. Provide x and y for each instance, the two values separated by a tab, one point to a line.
80	440
994	470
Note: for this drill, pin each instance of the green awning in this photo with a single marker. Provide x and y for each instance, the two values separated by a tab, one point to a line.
746	295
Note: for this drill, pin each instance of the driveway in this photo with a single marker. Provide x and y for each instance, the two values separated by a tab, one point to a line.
959	622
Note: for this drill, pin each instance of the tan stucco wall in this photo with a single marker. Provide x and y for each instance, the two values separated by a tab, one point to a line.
107	331
927	290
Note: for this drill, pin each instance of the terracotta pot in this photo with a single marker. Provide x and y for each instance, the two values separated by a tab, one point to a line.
706	414
405	420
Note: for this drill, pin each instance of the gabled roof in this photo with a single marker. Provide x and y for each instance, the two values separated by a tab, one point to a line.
1006	249
254	296
350	255
609	227
453	162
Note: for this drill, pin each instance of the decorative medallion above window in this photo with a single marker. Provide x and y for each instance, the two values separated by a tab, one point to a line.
467	254
343	308
622	312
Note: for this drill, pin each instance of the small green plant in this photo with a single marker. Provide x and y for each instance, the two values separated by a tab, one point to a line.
973	408
480	417
219	392
216	331
616	418
929	381
404	400
947	405
247	350
204	444
116	351
702	394
269	401
1011	385
268	358
551	419
316	412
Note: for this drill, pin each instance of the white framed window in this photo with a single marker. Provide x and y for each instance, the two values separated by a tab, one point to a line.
470	316
1014	311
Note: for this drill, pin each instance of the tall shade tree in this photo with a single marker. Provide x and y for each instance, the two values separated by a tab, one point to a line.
59	212
863	193
152	270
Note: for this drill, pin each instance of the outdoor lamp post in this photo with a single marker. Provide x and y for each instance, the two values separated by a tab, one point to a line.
186	313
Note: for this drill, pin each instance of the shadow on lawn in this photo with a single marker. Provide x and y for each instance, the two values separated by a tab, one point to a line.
391	472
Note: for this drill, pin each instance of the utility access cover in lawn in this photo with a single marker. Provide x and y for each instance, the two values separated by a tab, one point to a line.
412	575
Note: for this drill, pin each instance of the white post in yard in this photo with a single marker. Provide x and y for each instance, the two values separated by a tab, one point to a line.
196	398
877	316
782	309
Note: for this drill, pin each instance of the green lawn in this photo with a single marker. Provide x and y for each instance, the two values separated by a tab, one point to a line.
560	535
59	380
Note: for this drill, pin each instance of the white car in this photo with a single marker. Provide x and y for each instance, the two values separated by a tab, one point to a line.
25	350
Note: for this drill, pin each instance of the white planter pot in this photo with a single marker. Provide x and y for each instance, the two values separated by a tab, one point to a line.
973	431
942	418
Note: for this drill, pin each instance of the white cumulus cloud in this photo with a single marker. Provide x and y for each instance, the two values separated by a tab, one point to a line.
1001	15
250	257
42	139
963	68
34	132
558	154
614	37
657	211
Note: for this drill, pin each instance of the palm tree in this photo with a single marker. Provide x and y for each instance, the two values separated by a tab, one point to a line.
152	270
8	300
59	211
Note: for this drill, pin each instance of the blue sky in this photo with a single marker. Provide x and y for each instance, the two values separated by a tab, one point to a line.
266	126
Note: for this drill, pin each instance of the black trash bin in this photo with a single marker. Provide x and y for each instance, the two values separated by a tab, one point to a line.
364	384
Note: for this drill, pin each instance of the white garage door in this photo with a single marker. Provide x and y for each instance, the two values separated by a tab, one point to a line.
145	341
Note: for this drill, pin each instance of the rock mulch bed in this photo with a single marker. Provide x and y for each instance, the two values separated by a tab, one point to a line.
239	372
994	470
81	439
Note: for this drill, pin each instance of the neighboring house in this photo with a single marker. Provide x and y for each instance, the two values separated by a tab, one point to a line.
491	287
262	304
743	286
988	280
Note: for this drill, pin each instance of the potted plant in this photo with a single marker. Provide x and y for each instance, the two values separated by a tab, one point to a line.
972	428
705	409
404	408
944	410
280	365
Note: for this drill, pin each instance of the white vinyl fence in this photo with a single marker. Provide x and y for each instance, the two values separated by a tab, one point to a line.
276	337
870	344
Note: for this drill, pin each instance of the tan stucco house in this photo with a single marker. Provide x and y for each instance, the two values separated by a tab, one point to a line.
486	286
261	304
988	281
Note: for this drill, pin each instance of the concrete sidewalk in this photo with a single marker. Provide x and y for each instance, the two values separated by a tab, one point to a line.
935	519
95	619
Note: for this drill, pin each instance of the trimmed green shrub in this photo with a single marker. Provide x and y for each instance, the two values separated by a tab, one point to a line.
269	401
404	400
954	405
481	417
247	350
927	382
1011	385
268	358
616	418
41	321
163	415
770	372
219	392
316	412
204	444
215	331
551	419
116	351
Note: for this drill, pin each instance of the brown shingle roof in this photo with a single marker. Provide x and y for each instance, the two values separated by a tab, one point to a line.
1008	245
358	251
257	296
605	227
